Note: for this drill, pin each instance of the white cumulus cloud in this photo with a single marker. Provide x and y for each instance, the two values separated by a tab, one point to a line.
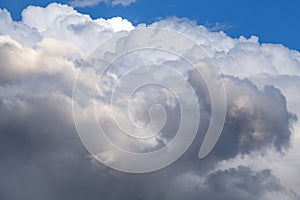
39	58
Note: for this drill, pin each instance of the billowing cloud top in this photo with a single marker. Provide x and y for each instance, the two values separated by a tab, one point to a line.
43	158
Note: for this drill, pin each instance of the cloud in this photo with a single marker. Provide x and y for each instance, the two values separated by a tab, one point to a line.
50	57
262	64
42	156
256	118
234	183
64	23
18	30
86	3
122	2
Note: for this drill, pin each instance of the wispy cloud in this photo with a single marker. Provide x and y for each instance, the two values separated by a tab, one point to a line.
86	3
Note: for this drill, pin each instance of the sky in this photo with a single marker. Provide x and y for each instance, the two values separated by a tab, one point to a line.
136	99
271	21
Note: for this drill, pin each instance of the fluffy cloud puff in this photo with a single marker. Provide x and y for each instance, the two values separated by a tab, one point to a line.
41	150
60	22
283	67
49	57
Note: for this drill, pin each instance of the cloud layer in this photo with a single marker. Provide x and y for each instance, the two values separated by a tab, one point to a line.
43	158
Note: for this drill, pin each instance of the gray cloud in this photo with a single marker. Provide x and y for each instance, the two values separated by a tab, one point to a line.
43	158
255	119
235	183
